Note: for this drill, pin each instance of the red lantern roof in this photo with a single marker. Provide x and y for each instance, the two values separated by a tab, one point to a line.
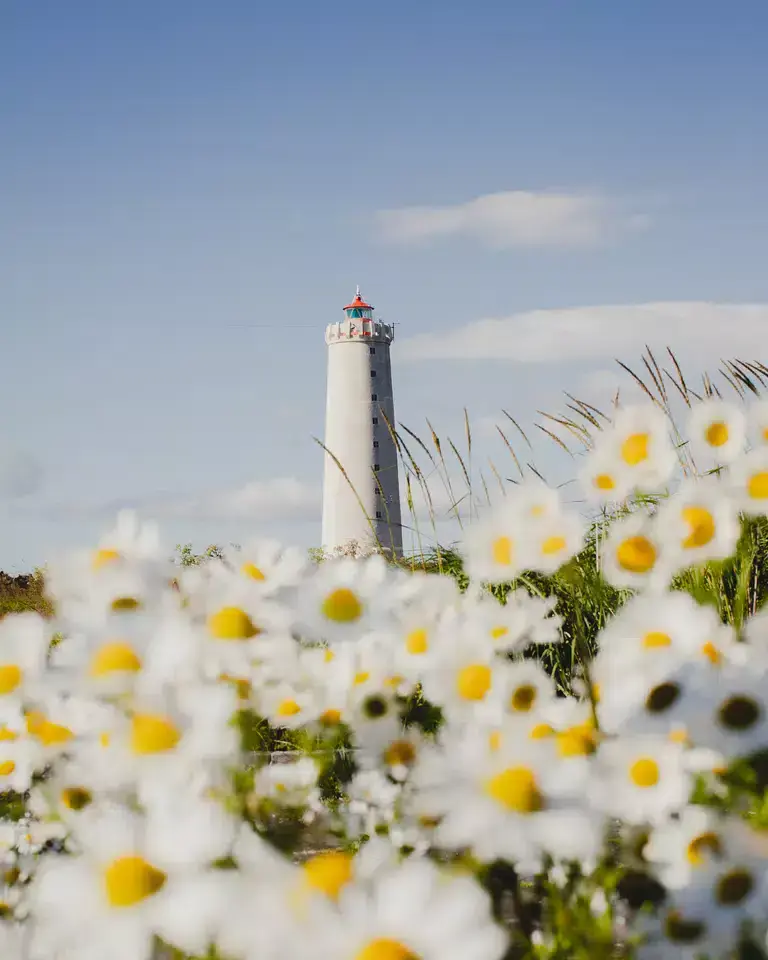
358	303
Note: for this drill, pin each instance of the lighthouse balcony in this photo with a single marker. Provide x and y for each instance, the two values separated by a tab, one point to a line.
360	329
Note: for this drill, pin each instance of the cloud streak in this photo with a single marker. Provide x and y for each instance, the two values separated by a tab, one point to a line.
282	498
695	329
514	218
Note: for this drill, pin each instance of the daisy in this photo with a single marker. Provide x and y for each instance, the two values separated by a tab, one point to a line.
554	541
527	688
117	892
412	910
522	621
679	849
345	599
603	477
291	784
638	444
716	430
467	679
640	779
748	481
510	798
632	554
272	567
699	523
732	713
24	641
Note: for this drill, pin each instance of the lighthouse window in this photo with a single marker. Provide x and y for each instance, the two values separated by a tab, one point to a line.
378	514
376	466
374	396
371	350
373	373
375	443
375	421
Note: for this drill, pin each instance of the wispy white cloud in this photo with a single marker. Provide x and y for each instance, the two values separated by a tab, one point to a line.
697	330
282	498
513	218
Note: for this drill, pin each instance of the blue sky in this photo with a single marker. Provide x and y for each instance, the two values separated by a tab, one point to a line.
191	192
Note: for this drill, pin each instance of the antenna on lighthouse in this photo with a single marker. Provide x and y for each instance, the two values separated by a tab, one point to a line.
357	290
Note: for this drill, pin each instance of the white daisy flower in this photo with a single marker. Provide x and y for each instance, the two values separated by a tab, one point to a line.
468	678
699	523
633	556
638	444
24	641
118	892
527	688
554	541
732	712
271	566
679	849
603	477
345	599
506	797
412	910
292	784
748	481
640	779
716	430
520	622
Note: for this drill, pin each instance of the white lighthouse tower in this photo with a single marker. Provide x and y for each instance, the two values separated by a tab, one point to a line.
364	505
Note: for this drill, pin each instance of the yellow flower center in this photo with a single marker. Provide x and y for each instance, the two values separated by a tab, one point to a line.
342	606
644	772
516	789
385	949
577	741
654	640
362	677
710	651
10	678
232	623
114	658
400	753
252	571
328	872
76	798
604	481
330	718
757	487
540	731
7	735
662	697
288	708
121	604
103	557
717	434
636	554
129	880
553	545
329	656
6	768
417	642
494	741
501	550
634	450
153	733
52	734
473	682
498	632
703	847
701	527
523	698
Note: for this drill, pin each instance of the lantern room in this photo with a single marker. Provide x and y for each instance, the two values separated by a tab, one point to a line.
359	309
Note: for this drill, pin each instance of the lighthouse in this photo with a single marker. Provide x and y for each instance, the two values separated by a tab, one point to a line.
361	492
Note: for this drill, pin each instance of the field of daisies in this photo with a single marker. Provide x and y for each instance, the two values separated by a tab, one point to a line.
443	793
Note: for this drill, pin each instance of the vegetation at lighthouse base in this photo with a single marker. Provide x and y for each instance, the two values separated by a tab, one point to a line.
548	741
